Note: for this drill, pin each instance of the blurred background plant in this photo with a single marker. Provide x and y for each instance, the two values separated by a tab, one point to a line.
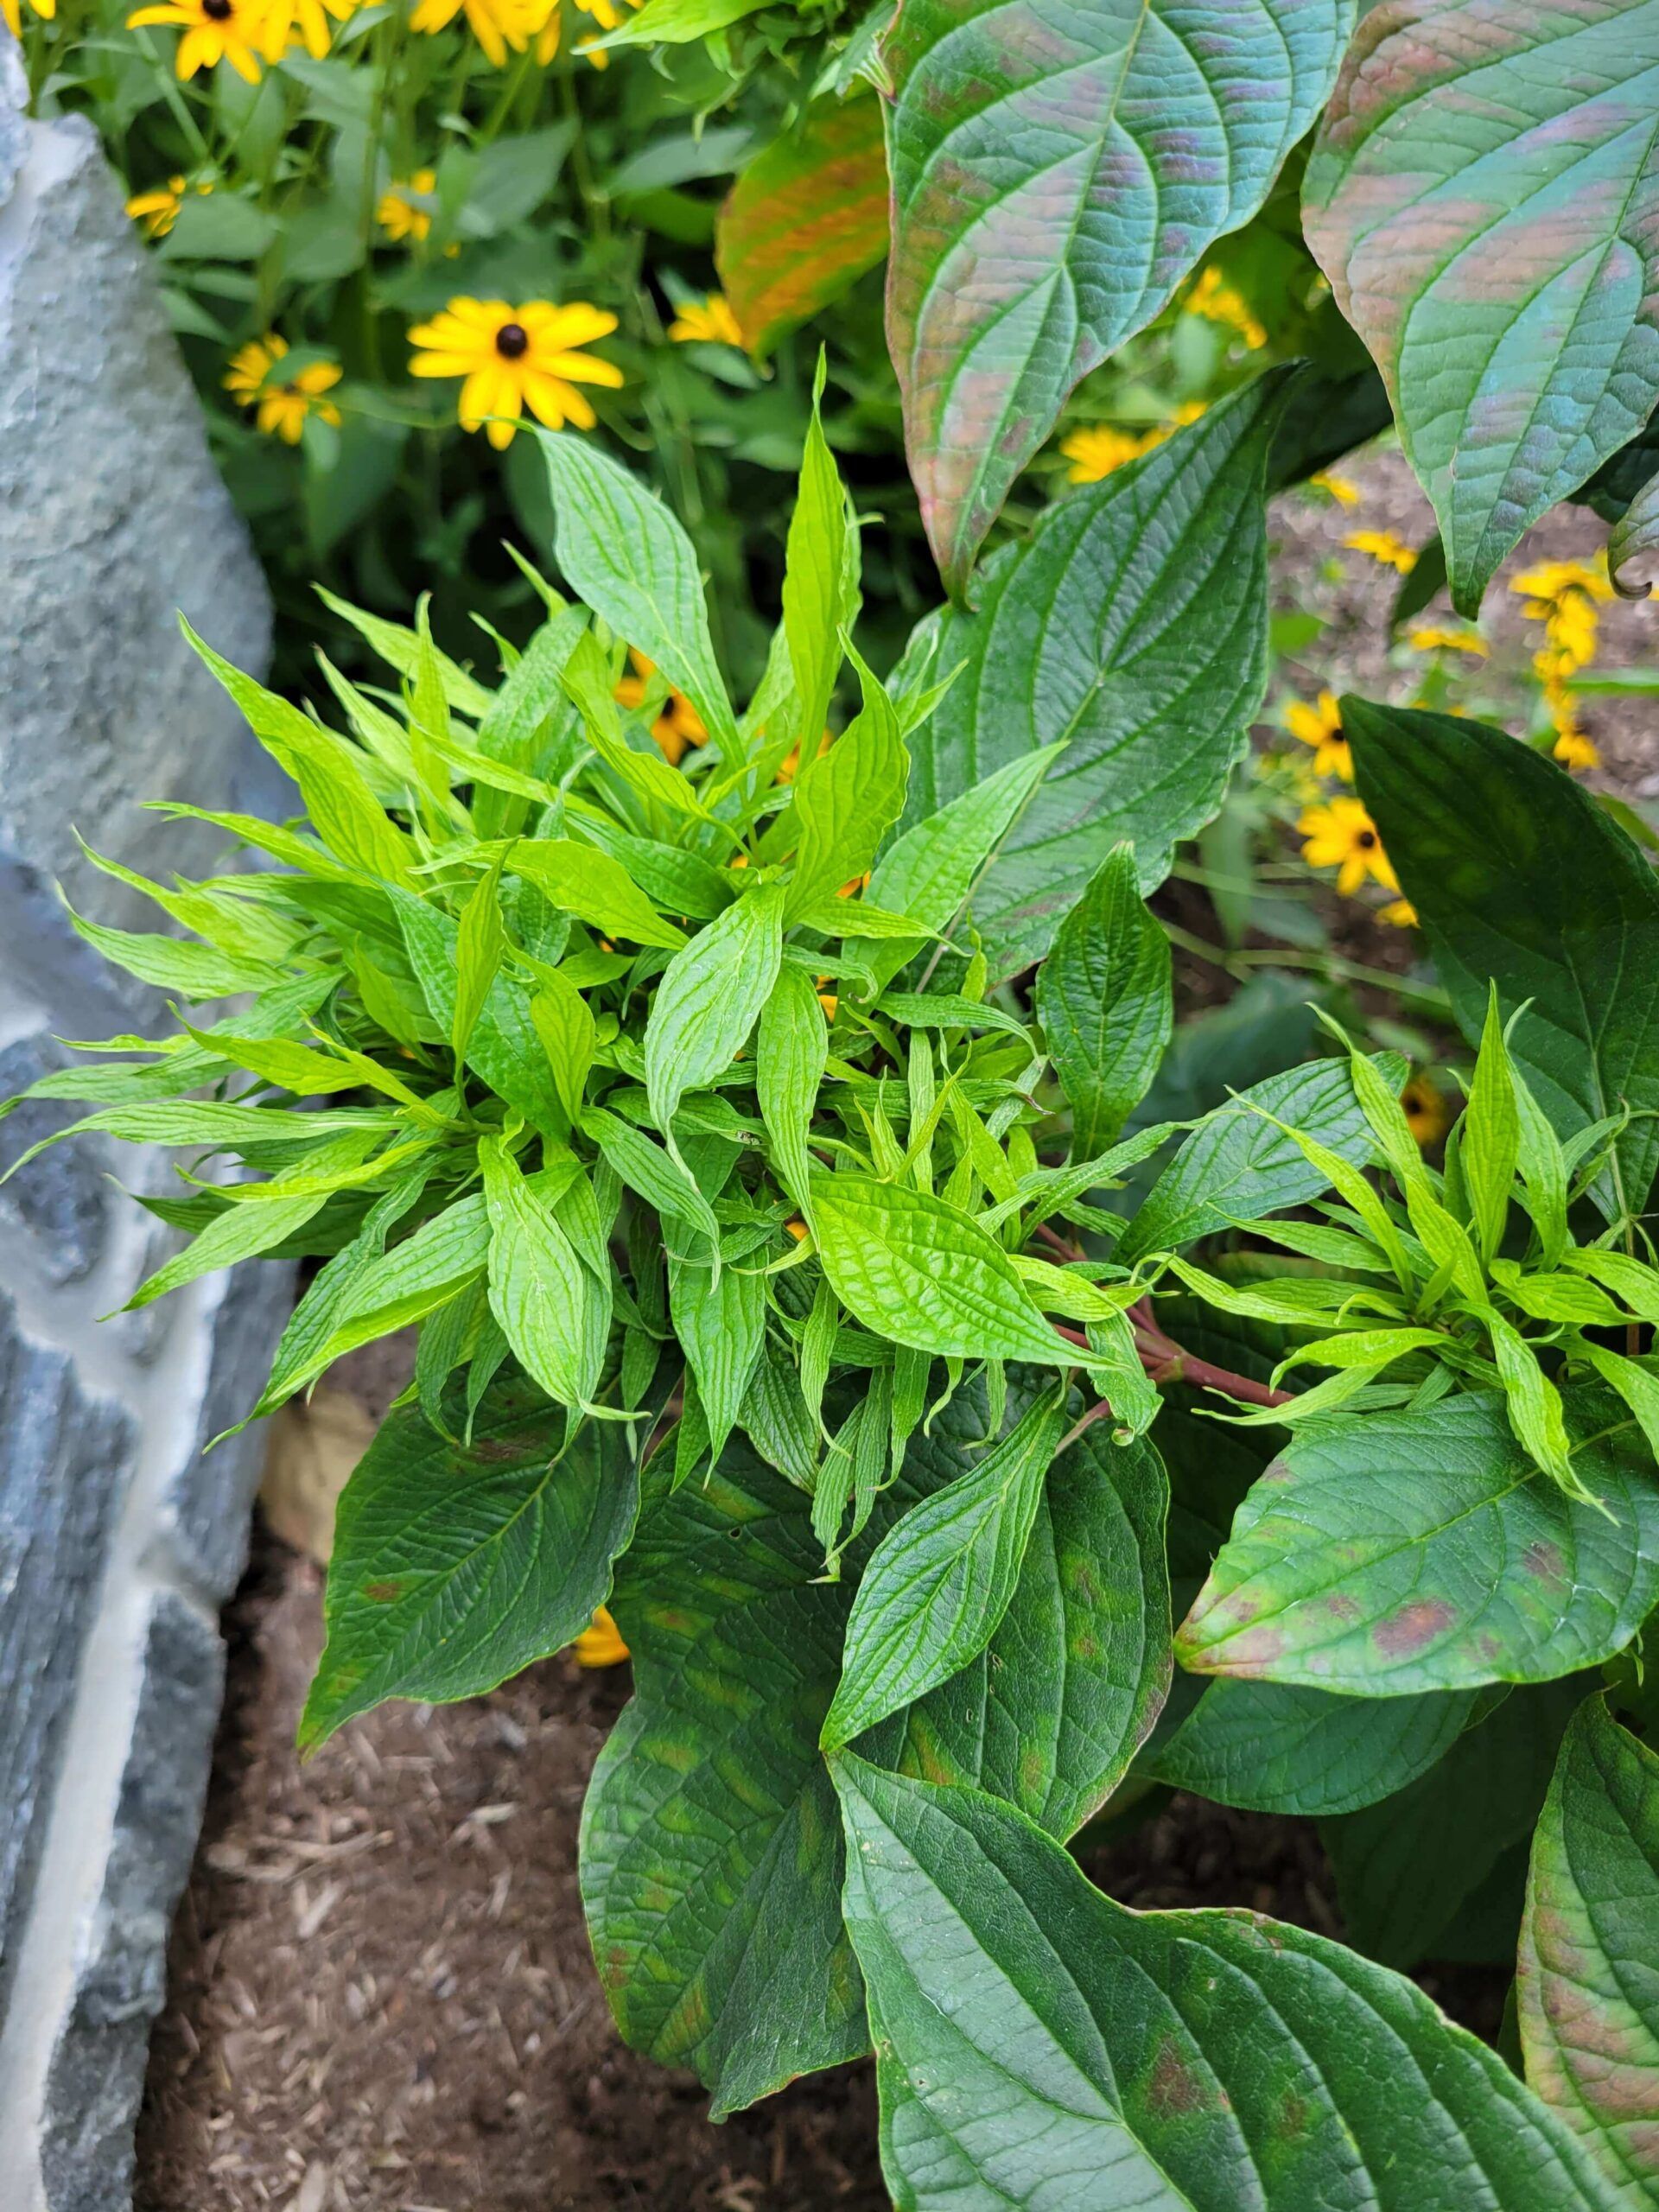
321	179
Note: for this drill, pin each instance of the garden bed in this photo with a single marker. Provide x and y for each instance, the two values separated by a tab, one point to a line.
382	1992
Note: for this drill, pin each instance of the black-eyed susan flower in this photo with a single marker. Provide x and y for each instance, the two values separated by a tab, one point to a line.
1566	597
1424	1110
1399	914
678	725
1342	834
514	356
606	13
708	321
1097	451
1573	747
11	14
157	210
214	31
1216	300
1341	489
283	24
496	24
283	400
1320	726
1433	638
402	212
1385	547
600	1642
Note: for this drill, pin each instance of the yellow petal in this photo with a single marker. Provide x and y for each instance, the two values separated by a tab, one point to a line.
582	368
478	396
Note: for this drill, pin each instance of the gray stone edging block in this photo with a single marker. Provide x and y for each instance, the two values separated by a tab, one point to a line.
118	1540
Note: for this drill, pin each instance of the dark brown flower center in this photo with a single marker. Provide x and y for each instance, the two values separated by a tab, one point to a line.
217	11
511	340
1366	841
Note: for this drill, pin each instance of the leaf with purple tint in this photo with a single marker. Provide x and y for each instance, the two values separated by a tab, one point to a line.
1059	170
1587	1976
1423	1551
1484	198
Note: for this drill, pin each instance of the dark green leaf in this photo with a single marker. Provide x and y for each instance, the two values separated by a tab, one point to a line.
711	1852
1053	182
1104	1000
1406	1869
1239	1165
455	1567
1482	199
1519	876
1041	2046
1270	1747
937	1585
1132	624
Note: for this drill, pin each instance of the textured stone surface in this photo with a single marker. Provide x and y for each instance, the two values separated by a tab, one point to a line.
66	1203
117	1540
98	2067
112	518
204	1509
62	1478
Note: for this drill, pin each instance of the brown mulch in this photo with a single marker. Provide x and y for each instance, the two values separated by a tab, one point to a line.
381	1991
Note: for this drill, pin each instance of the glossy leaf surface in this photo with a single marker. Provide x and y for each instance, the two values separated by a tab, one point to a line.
1271	1747
711	1851
936	1588
455	1567
1484	199
1587	1981
1241	1167
1056	172
1040	2046
1133	624
1103	999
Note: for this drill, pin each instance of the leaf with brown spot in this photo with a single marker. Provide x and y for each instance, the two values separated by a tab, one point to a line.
1044	2047
1458	1563
1587	1978
804	221
1484	198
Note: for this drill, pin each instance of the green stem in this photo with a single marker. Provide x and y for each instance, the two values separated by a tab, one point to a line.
1329	963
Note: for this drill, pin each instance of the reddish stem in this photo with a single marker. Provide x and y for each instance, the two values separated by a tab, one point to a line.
1167	1361
1057	1243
